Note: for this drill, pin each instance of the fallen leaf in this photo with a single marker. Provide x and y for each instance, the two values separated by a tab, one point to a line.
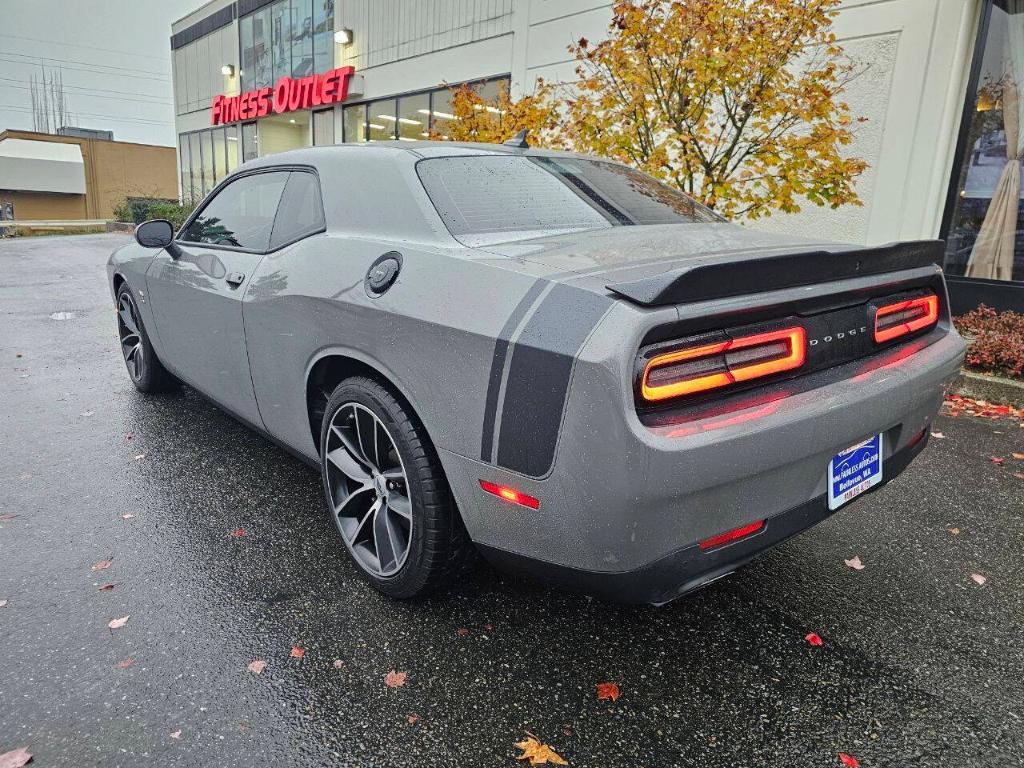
88	413
15	759
938	436
538	753
463	632
176	734
813	638
338	664
1019	475
125	664
855	563
411	718
108	586
139	457
954	531
127	516
237	532
102	565
297	653
395	679
129	435
1018	456
489	627
979	579
257	666
3	603
848	760
997	460
118	623
6	518
607	691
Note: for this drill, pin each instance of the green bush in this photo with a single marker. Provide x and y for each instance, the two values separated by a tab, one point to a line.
136	210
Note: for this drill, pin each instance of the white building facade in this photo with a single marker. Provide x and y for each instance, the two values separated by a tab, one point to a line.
932	92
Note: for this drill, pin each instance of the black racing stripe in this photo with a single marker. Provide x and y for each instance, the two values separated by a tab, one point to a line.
538	377
498	366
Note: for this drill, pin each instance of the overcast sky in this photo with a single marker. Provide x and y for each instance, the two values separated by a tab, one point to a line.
115	56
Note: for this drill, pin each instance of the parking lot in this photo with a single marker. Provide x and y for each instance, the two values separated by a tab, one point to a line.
221	553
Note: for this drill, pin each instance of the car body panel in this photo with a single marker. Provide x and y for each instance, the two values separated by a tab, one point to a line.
192	294
520	364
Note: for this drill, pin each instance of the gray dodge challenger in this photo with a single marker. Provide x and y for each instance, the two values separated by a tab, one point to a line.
548	358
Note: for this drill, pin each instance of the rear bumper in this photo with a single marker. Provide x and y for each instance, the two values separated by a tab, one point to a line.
688	568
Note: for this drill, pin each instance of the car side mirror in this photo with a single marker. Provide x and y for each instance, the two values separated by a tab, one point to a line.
157	233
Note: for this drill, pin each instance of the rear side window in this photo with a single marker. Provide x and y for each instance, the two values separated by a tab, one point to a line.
241	214
491	198
301	212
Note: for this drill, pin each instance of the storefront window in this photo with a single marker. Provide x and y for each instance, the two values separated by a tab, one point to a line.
280	33
301	41
220	156
323	35
985	237
250	150
196	190
323	127
441	115
354	120
232	147
263	75
206	145
248	54
413	114
382	120
186	169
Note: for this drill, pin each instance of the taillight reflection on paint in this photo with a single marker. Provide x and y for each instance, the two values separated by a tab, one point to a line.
730	536
510	494
710	366
903	317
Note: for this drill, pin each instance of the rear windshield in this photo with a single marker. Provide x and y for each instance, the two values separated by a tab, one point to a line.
495	198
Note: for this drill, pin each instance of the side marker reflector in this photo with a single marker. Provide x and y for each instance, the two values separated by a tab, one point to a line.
731	536
510	494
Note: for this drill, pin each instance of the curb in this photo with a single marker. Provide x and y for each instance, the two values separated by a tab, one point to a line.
992	389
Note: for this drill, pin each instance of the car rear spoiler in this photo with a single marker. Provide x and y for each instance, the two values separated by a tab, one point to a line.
749	273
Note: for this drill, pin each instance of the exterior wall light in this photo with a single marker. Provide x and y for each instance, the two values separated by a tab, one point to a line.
343	36
228	70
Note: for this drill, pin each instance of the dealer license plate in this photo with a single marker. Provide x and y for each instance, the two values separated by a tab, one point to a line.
853	471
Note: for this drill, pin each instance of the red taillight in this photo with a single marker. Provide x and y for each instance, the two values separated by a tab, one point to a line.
510	494
699	369
733	535
903	317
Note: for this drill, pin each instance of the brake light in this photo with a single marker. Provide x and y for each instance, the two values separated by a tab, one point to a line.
730	536
903	317
710	366
510	494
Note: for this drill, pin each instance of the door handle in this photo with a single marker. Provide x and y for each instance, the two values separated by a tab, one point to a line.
235	278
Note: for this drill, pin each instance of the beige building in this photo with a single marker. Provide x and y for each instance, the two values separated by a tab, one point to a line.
49	177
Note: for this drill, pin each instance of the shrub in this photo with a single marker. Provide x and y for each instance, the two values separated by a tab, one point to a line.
139	209
996	340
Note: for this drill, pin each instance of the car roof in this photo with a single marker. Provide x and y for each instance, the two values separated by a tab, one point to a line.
413	149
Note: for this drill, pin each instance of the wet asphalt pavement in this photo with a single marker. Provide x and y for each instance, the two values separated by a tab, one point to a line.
920	665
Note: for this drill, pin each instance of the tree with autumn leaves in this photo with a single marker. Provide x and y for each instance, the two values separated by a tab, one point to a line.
738	104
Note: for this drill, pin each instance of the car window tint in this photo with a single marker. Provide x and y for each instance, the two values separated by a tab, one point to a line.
490	198
301	212
241	214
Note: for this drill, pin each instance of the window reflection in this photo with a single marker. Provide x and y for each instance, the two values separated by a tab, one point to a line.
382	119
323	35
413	116
301	37
354	119
985	239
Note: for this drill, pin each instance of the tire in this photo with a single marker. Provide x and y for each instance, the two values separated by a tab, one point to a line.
144	367
390	500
